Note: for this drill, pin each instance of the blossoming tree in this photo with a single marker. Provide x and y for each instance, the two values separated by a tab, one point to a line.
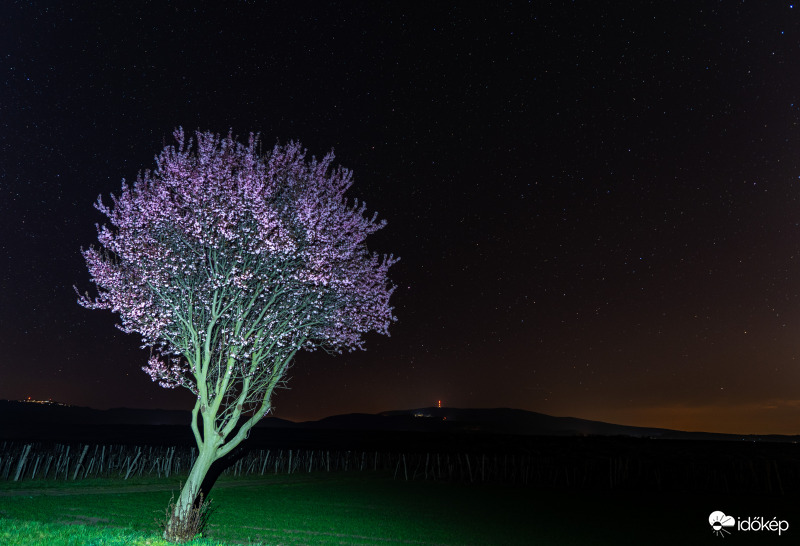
228	262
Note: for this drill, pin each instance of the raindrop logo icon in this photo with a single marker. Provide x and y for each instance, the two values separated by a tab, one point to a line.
719	522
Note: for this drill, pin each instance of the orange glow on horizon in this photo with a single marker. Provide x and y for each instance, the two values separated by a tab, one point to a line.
762	417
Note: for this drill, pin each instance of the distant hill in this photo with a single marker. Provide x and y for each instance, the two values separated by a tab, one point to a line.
24	417
512	422
11	411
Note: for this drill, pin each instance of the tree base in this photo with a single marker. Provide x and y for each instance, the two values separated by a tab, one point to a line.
180	528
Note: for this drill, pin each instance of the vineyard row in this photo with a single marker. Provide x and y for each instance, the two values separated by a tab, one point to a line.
20	461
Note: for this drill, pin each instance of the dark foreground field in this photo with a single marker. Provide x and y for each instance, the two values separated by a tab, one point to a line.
444	488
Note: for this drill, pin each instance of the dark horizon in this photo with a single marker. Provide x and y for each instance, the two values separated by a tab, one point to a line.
509	422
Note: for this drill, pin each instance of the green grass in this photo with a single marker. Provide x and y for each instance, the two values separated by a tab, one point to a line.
30	533
88	483
363	509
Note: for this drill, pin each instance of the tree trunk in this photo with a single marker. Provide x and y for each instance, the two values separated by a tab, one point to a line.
190	490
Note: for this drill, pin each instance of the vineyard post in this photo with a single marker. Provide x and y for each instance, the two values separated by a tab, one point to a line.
80	461
25	450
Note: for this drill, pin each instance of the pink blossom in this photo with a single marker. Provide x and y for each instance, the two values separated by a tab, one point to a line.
227	262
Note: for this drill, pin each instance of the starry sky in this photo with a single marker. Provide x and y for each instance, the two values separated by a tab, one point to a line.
595	203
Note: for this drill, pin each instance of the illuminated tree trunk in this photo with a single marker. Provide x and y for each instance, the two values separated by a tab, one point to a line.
190	491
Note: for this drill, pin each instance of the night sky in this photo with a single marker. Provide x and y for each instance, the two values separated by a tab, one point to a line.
596	206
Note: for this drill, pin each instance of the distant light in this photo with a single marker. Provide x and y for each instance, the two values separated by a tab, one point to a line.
440	403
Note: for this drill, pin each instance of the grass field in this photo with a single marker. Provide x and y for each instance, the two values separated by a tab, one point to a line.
366	509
